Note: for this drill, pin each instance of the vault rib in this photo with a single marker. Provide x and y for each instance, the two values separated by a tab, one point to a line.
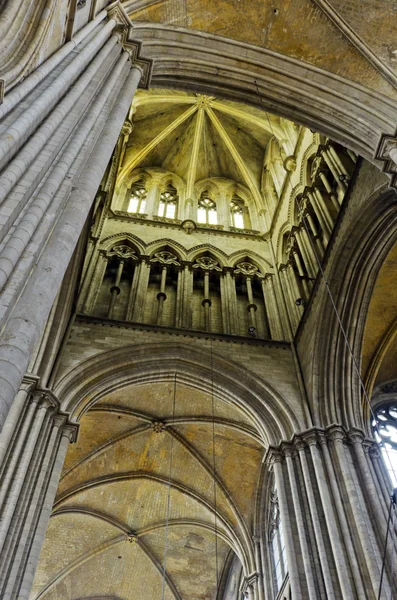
138	158
198	132
245	172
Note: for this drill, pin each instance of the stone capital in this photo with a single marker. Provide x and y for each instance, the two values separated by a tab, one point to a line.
273	455
70	431
310	437
336	433
249	583
356	436
387	153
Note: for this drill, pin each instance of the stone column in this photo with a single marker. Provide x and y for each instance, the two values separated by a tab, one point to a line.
67	435
337	511
153	197
309	219
133	291
295	289
306	250
179	299
304	545
141	290
30	313
330	191
224	304
292	313
335	172
302	274
320	214
322	201
187	295
270	300
94	282
161	296
232	300
206	303
284	503
316	522
330	518
29	479
115	289
251	304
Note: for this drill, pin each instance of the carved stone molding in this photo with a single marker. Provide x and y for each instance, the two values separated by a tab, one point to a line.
317	436
124	32
387	153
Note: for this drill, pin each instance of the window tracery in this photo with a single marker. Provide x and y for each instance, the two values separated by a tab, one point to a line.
168	203
137	203
207	212
237	213
384	426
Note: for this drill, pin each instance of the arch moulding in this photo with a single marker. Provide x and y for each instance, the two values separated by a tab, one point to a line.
109	371
345	111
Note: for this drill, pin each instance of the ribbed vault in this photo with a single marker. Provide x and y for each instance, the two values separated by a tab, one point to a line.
200	138
141	478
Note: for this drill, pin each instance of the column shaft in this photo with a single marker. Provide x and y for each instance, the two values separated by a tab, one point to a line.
32	309
288	535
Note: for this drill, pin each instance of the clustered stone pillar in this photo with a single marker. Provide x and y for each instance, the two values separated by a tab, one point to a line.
333	504
73	106
38	438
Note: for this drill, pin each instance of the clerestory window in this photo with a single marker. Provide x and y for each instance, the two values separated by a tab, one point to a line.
384	426
137	202
237	213
206	212
168	203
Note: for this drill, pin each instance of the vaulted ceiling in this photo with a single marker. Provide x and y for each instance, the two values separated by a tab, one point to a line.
199	137
138	493
332	35
379	360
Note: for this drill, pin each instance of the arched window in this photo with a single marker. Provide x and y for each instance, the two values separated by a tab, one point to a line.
168	203
384	426
137	203
277	545
206	212
237	213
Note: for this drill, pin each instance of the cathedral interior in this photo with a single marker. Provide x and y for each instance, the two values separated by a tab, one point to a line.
198	300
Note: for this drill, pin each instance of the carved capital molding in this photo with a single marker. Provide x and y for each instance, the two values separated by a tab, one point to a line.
387	153
123	30
249	583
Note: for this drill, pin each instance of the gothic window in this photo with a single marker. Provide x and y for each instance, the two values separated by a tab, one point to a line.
384	426
137	202
206	212
277	545
237	213
168	203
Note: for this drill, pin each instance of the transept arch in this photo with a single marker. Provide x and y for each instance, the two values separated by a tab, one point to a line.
339	394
